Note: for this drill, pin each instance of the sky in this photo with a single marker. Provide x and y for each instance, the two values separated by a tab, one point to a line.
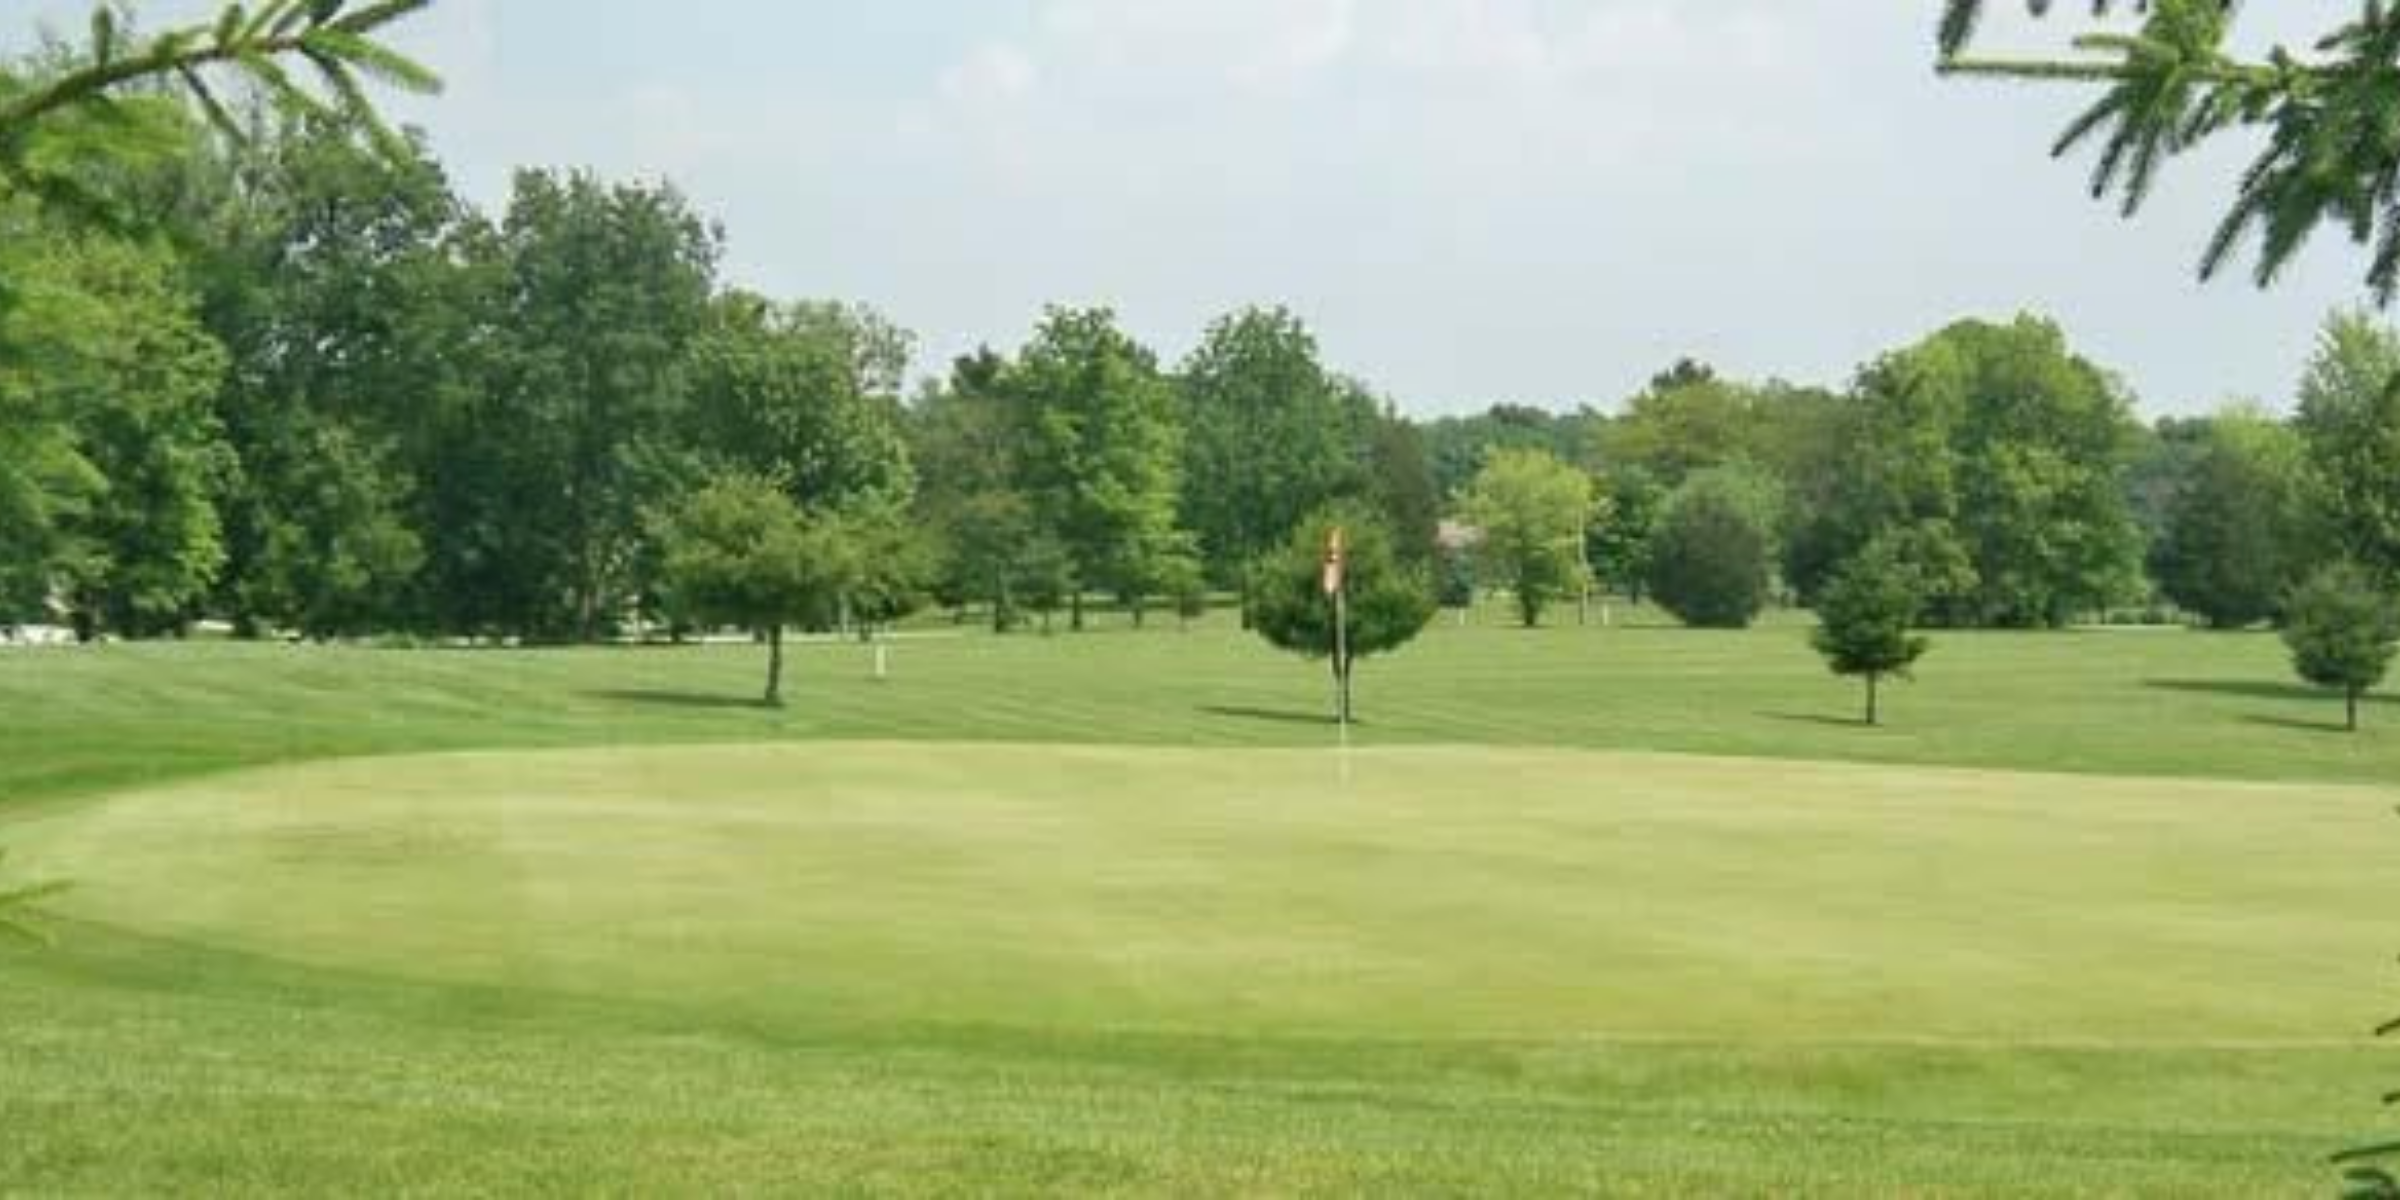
1470	201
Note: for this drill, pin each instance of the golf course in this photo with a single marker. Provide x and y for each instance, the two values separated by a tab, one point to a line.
1199	598
1636	910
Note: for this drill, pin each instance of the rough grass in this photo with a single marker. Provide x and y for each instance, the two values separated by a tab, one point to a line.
1108	915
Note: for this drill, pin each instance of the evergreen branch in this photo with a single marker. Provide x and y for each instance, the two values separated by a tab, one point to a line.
237	38
2037	69
376	16
353	51
1962	18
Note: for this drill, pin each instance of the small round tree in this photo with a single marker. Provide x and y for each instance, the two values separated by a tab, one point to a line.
1711	554
2342	629
739	552
1864	618
1389	601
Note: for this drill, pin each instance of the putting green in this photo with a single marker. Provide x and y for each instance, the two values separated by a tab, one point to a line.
1424	892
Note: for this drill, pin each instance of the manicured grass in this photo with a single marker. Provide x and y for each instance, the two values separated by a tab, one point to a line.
1110	914
2130	702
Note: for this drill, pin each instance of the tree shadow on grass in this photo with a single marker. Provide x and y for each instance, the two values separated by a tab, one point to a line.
2333	726
1825	719
2254	689
686	700
1278	716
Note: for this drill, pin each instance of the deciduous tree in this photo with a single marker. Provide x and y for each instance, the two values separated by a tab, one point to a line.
1270	436
2342	628
807	394
603	290
2236	530
739	552
1532	512
1102	448
2350	418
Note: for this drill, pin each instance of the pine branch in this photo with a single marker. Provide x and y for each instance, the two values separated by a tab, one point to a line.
2333	122
335	37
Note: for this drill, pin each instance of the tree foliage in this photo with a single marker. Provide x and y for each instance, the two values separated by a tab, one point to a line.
122	457
2350	418
1712	557
601	291
322	270
1389	599
1102	448
2236	531
2000	453
1270	436
807	394
1531	512
1460	446
2342	628
1865	617
1688	420
739	552
86	98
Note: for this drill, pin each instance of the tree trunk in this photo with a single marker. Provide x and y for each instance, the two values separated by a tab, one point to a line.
1529	607
2352	701
1075	612
1874	716
774	666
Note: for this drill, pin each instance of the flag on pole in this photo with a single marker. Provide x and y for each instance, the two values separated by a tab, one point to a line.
1337	554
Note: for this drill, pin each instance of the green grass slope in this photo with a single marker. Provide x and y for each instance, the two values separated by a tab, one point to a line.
1107	915
2144	703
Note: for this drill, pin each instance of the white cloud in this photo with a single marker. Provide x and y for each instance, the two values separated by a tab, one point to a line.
993	71
1254	44
1483	37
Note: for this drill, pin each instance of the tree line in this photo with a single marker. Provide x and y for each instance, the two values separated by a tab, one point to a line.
303	386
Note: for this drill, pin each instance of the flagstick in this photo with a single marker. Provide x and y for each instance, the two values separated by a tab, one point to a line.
1337	589
1341	654
1341	650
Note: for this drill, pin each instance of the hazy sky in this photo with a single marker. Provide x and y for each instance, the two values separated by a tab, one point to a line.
1471	200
